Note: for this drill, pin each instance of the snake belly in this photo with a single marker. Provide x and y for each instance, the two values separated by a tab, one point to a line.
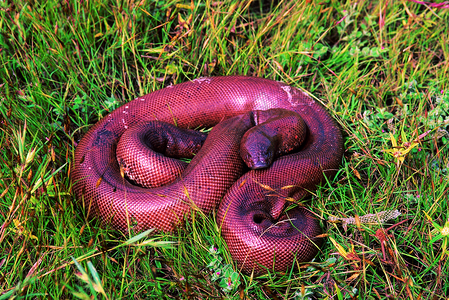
262	230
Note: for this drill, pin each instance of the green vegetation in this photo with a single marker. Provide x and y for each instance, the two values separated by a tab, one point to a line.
381	68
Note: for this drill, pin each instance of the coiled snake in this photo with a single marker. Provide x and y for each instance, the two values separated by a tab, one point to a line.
262	230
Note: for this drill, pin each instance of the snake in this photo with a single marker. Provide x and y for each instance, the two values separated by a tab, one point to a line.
259	212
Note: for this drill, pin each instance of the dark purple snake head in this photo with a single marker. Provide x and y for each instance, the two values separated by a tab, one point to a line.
258	149
275	132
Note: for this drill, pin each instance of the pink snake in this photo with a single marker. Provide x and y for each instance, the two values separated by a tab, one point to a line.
262	230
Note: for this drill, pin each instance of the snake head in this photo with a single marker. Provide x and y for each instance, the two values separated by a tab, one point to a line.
257	151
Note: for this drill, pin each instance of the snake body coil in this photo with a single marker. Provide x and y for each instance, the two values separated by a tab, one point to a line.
260	228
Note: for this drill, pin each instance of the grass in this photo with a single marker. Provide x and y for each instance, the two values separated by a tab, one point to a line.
381	68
